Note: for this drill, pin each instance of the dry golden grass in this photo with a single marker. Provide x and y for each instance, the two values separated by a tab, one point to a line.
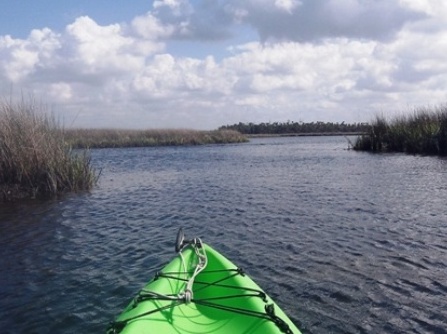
106	138
35	159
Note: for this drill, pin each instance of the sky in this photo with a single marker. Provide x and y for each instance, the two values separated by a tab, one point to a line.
200	64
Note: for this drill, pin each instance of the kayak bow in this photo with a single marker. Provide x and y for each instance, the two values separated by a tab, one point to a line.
201	291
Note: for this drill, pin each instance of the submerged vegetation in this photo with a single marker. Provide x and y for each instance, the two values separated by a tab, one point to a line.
35	159
103	138
423	132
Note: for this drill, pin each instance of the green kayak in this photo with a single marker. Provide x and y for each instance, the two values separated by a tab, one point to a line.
201	291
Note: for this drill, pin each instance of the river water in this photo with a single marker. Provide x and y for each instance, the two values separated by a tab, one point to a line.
345	242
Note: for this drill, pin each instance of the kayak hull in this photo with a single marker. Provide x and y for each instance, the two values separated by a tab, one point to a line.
224	300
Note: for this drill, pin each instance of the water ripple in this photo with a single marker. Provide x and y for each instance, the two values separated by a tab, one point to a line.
345	242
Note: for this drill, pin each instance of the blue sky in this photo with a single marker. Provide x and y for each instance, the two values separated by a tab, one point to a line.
205	63
19	17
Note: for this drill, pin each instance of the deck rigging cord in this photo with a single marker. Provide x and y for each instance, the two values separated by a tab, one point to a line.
199	249
186	296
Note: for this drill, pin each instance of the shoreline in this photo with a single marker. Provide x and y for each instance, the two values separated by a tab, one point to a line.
310	134
116	138
422	132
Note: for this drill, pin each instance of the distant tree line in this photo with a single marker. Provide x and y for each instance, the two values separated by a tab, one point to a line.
289	127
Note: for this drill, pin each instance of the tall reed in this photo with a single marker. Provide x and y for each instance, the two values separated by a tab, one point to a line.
422	132
35	159
107	138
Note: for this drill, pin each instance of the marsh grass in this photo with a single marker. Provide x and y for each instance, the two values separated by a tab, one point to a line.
110	138
35	159
423	132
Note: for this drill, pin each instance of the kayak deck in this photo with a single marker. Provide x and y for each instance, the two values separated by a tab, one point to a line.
223	300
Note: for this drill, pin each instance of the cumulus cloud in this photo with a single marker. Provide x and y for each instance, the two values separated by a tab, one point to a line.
309	20
60	92
105	48
148	26
19	58
206	21
315	61
295	20
287	5
173	7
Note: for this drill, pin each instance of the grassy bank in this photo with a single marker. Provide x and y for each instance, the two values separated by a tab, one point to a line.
423	132
103	138
35	160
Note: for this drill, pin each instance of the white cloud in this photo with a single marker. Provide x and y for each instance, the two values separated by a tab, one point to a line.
180	78
60	92
104	48
318	19
150	27
176	7
19	58
20	61
287	5
432	8
301	67
125	75
207	21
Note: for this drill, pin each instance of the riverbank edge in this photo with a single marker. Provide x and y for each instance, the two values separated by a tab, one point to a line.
120	138
35	160
422	132
313	134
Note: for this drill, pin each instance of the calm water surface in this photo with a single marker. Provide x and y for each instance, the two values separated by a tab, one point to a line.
345	242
